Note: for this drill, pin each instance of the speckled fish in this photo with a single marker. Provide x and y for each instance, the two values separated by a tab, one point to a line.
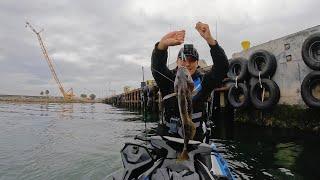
183	87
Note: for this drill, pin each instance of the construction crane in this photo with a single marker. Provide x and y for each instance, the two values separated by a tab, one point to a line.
67	95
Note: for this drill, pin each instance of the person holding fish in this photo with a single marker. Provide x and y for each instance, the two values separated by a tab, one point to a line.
185	89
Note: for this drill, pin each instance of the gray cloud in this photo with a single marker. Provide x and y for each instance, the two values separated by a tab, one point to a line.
97	43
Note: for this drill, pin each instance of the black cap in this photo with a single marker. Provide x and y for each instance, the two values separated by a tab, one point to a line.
189	51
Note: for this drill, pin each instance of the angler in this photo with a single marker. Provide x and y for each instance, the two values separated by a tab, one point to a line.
185	90
204	83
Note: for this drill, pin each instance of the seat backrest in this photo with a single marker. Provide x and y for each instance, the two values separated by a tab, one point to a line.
172	153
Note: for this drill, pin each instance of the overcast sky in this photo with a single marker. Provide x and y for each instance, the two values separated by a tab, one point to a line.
99	46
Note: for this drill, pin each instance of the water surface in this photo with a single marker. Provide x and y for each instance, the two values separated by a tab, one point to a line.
82	141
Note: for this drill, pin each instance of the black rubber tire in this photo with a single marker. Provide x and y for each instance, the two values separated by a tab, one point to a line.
311	51
238	67
262	57
235	93
256	90
308	82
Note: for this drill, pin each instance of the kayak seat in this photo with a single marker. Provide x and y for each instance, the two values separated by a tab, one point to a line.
174	147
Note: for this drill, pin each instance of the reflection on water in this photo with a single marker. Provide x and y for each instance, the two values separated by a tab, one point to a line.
268	153
63	110
82	141
286	154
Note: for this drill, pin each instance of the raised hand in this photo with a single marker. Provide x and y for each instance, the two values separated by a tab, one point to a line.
204	31
171	39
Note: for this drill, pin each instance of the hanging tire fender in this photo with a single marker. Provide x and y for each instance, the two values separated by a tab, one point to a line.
238	96
311	51
238	67
264	62
271	89
310	89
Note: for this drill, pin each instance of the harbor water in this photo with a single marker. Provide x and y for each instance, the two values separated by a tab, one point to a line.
82	141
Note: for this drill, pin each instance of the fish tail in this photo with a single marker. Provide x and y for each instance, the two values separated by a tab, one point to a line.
183	156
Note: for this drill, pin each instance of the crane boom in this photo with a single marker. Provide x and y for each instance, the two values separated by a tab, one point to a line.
66	95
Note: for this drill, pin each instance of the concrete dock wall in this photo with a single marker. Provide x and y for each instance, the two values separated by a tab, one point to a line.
291	69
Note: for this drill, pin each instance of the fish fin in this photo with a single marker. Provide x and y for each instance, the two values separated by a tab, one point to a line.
183	156
192	127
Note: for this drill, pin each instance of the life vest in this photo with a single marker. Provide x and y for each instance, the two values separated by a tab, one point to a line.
197	84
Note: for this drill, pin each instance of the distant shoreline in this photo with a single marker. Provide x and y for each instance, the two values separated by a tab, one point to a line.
44	99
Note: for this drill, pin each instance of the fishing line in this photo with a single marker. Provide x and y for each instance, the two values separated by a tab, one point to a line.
162	75
183	57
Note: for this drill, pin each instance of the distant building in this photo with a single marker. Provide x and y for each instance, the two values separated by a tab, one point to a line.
126	89
151	82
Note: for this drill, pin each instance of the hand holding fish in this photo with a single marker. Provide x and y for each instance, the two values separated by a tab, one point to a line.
171	39
204	31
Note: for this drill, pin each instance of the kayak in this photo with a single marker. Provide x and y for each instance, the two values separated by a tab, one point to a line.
155	158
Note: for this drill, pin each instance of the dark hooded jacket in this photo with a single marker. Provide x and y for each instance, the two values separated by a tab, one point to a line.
206	82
